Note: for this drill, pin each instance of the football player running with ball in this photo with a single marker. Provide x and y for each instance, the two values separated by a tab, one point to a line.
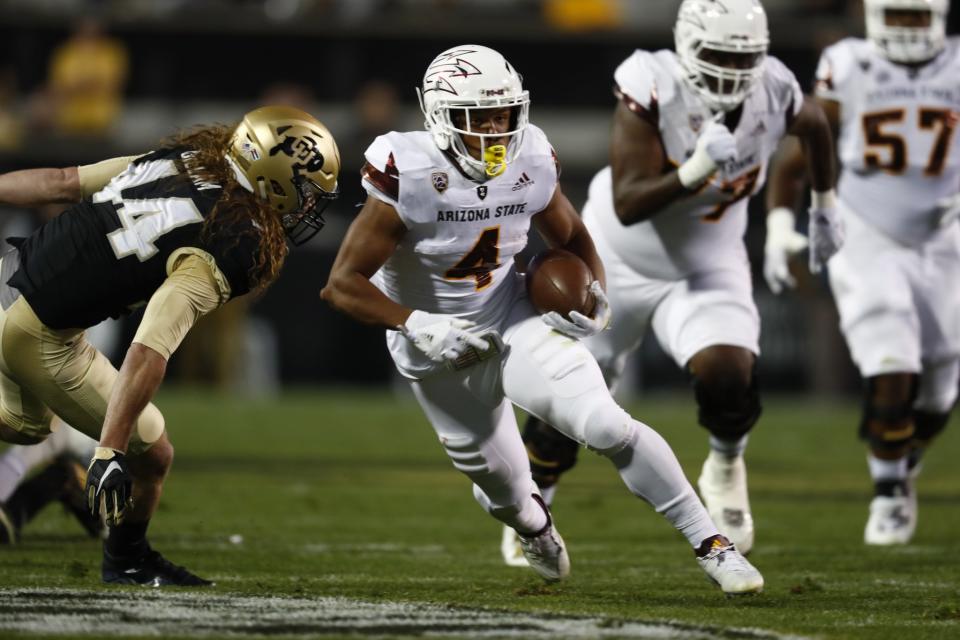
203	219
430	257
693	131
895	100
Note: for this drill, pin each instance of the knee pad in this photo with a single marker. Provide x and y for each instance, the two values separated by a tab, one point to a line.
888	429
607	429
727	411
550	452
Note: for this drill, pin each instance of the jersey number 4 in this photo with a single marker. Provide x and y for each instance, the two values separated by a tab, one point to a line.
479	261
146	220
942	121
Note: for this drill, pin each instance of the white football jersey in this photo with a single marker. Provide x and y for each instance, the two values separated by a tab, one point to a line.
457	254
693	233
897	129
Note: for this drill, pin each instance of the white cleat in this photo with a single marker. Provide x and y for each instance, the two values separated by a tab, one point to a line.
511	550
723	488
892	520
730	570
545	551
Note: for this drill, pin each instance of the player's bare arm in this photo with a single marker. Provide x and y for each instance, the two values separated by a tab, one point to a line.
789	170
814	129
561	227
142	372
36	187
370	241
643	183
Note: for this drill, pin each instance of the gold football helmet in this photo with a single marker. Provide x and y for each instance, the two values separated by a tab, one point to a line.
288	158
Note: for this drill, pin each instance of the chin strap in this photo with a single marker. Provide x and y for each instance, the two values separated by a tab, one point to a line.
495	160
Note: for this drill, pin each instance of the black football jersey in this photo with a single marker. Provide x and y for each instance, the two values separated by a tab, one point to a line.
103	257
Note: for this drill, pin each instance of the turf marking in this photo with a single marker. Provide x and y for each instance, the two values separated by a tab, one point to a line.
141	613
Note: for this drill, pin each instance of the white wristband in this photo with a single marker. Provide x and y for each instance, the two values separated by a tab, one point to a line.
780	220
823	199
696	169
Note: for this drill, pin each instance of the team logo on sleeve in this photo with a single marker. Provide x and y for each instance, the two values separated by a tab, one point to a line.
482	191
440	181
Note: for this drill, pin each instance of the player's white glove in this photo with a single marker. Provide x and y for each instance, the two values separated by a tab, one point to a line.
783	242
579	325
825	231
441	337
949	209
109	486
716	146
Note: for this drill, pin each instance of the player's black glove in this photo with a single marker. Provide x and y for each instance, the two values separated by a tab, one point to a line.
109	486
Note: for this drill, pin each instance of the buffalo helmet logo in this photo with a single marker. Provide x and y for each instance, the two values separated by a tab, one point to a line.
302	148
440	181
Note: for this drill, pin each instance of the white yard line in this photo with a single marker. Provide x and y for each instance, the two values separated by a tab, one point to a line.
191	613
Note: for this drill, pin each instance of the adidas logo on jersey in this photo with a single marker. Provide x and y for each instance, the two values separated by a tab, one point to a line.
524	181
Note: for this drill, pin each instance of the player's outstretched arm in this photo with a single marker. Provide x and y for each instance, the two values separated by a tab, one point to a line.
36	187
370	241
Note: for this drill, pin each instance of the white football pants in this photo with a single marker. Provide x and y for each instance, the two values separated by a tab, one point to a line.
556	379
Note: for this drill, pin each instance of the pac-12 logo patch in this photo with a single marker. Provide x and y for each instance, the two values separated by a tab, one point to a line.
440	181
696	122
482	191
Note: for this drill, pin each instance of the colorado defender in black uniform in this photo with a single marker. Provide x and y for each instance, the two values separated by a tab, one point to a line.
182	229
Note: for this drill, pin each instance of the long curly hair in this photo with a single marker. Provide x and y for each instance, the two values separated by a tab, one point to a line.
236	204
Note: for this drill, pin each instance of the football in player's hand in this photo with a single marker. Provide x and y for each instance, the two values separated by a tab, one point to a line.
558	280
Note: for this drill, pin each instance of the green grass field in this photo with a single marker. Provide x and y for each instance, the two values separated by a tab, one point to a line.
353	523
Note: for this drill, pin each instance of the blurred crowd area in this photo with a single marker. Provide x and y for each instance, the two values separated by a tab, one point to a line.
81	80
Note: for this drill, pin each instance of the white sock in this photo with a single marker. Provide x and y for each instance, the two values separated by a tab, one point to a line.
19	460
527	517
729	448
548	493
651	471
12	469
887	469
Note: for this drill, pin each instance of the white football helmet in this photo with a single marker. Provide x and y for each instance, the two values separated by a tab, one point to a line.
907	44
710	29
466	78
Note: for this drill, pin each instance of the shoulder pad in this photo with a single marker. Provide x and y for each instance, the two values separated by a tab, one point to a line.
782	87
837	65
406	149
644	79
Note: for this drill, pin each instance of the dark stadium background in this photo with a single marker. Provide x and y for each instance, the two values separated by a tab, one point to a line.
192	62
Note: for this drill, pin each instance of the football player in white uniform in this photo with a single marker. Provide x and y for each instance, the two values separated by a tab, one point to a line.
693	131
430	257
895	100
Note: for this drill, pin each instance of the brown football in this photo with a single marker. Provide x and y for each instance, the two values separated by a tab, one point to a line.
558	280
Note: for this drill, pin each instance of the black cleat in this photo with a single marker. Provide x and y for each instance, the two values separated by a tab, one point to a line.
149	570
